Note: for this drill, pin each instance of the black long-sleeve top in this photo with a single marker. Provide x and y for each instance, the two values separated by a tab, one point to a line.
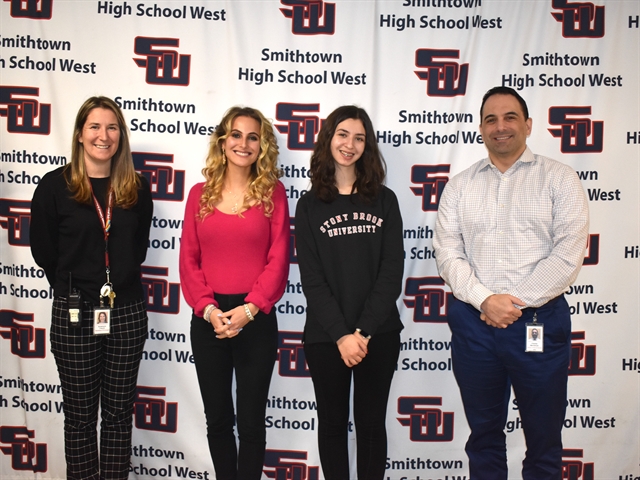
67	236
351	260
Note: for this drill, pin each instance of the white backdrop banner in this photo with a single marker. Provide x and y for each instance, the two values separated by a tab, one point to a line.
420	68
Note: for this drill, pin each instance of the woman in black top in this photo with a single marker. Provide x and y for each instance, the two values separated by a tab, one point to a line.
90	224
351	258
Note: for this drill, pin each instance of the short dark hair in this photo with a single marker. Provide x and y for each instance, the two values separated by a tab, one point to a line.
505	91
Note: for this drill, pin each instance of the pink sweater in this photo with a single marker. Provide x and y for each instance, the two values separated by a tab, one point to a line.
229	255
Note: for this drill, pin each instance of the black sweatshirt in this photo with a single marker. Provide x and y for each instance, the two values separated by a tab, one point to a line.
351	260
67	236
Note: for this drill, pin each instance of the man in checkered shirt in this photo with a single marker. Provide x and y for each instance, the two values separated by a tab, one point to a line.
510	239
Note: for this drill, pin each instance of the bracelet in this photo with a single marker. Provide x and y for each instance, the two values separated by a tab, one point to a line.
207	312
248	313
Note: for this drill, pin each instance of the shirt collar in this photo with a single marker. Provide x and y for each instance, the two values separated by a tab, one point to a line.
526	157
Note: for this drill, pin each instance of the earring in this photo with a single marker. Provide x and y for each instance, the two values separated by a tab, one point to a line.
224	158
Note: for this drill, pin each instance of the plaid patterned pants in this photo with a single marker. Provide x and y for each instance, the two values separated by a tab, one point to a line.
98	371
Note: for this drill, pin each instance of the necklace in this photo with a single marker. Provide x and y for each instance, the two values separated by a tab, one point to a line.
234	208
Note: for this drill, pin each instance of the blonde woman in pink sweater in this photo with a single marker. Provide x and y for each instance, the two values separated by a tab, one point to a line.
234	264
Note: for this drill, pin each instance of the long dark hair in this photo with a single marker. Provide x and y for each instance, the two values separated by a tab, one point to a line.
370	167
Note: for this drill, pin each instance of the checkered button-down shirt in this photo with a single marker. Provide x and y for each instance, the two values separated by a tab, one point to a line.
522	232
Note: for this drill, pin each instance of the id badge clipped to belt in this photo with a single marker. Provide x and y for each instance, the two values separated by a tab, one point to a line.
534	336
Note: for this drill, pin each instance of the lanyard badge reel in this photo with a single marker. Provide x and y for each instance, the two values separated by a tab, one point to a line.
102	315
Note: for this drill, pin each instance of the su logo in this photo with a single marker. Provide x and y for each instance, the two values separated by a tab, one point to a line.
164	66
289	465
579	19
151	412
301	127
291	359
577	134
583	357
15	217
426	422
573	468
160	295
25	454
24	115
166	183
433	180
26	340
430	301
310	17
444	78
32	9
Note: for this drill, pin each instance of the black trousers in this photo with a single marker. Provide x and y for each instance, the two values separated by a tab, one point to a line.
251	355
98	371
371	384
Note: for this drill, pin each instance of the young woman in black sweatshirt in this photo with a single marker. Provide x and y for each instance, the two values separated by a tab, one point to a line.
351	259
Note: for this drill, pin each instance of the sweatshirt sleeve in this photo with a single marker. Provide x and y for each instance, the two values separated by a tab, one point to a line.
270	285
194	286
43	229
388	283
320	300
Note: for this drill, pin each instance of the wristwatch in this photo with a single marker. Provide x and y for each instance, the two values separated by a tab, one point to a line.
363	334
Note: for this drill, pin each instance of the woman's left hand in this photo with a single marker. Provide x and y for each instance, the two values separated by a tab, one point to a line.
353	349
235	320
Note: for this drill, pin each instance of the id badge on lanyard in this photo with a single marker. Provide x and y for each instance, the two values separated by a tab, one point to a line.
101	321
534	336
102	315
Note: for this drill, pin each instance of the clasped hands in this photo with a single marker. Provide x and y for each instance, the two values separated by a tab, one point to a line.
230	323
500	310
353	348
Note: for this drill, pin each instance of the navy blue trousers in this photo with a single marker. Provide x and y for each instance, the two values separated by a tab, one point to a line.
487	361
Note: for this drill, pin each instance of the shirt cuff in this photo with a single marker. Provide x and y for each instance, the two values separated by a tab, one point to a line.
478	295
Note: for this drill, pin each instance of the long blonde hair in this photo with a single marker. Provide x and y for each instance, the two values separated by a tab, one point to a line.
264	172
124	179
